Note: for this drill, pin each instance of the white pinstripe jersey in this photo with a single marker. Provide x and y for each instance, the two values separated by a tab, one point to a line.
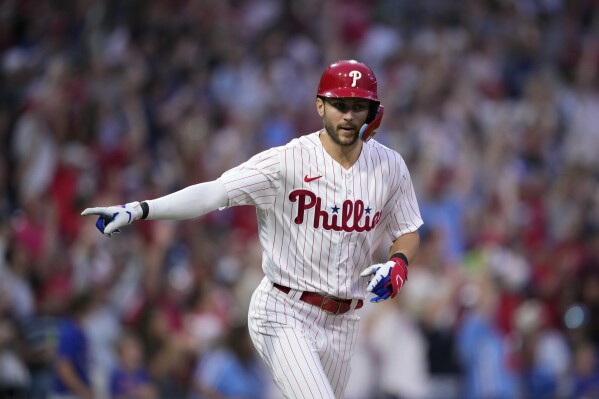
318	222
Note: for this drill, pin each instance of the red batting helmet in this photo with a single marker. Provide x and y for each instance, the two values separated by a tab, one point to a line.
350	78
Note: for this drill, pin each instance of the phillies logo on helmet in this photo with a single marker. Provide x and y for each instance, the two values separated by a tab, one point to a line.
356	75
348	78
348	220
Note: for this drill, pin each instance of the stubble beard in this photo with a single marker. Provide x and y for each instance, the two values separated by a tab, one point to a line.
334	135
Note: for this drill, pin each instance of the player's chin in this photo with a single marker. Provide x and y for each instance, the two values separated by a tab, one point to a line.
347	136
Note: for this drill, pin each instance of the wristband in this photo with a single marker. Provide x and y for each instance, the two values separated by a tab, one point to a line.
145	209
399	255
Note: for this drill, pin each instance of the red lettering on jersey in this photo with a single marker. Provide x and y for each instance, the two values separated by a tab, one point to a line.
303	196
351	213
376	218
319	214
347	212
358	213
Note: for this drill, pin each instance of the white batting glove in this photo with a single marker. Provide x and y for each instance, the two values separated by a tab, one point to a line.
387	280
112	218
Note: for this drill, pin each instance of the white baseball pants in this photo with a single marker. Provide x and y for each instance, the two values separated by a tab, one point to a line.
307	350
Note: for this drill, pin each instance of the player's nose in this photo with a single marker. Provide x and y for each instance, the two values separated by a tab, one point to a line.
349	116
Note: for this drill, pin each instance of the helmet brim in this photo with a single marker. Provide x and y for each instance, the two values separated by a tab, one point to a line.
350	93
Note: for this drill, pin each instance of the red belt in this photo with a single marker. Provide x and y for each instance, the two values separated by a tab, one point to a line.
325	302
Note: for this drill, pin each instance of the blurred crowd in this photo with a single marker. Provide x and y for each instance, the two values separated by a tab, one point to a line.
494	105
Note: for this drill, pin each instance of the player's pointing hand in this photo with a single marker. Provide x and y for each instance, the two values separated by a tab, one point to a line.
112	218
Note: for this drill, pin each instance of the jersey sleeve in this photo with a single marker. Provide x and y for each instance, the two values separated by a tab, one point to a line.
255	182
405	216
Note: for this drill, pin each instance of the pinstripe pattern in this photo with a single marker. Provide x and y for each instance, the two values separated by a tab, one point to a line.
307	350
318	225
306	258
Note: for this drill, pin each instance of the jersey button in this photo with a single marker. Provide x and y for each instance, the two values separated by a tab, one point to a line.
349	192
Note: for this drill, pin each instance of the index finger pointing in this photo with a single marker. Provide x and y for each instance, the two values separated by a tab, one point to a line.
96	211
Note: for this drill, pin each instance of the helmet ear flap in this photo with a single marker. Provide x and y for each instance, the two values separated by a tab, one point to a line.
368	130
373	109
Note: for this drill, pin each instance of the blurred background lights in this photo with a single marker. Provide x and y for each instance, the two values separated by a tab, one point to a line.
574	317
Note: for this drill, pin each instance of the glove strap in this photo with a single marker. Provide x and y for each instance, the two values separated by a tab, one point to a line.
145	209
397	256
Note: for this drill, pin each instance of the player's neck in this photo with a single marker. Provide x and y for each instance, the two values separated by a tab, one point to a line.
346	156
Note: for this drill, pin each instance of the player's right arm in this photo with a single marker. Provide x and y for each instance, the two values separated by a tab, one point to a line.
188	203
254	182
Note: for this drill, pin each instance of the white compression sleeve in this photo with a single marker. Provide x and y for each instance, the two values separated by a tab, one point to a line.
190	202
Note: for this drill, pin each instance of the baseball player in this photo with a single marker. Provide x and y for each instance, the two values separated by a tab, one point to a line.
324	202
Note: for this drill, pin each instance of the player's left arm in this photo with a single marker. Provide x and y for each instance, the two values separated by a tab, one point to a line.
388	278
407	245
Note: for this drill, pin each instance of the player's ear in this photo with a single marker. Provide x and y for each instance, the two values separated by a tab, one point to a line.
320	106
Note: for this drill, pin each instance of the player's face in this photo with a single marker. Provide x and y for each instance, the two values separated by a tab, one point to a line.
343	118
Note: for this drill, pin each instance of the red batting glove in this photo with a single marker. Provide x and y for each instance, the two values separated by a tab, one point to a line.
388	278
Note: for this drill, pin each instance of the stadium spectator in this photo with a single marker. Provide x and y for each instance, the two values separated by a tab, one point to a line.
492	104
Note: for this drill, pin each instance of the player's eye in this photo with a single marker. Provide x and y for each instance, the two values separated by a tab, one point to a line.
340	106
344	107
359	107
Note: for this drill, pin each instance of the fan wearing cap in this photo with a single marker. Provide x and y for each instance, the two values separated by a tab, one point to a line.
325	201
